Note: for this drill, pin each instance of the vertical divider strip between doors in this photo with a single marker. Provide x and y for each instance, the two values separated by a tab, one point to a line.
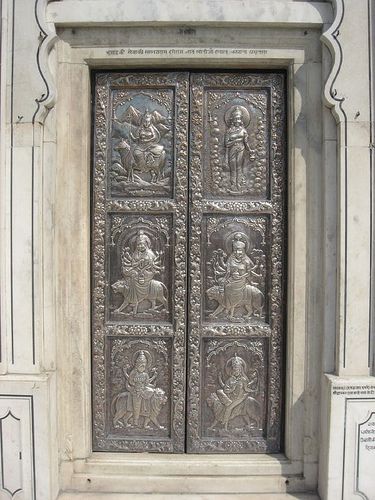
188	239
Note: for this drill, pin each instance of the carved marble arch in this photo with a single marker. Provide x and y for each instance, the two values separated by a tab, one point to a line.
188	257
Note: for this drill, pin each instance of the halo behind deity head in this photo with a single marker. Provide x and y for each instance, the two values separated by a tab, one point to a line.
236	236
240	110
139	355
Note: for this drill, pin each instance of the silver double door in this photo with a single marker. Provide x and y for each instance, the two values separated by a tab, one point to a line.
188	261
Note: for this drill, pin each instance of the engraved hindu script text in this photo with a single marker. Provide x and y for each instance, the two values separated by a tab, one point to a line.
149	51
366	438
367	434
356	390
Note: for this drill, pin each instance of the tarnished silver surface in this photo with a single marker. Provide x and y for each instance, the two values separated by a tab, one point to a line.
140	387
140	267
142	146
235	384
234	268
235	258
139	261
235	136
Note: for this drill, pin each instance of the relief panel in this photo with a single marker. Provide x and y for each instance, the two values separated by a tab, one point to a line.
141	142
236	136
234	390
235	269
139	387
140	268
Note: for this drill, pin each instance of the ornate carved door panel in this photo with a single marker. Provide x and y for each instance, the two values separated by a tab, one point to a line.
236	256
139	261
233	248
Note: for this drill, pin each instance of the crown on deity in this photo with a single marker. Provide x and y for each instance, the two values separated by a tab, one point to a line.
236	360
141	358
238	241
237	112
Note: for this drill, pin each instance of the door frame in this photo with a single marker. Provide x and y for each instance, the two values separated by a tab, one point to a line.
72	301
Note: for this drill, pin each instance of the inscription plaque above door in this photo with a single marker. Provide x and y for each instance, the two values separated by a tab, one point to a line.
188	262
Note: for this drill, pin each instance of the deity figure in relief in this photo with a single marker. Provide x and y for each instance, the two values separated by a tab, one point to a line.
141	398
236	142
138	270
233	398
234	277
145	154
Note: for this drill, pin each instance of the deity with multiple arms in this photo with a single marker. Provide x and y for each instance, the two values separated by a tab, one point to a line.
141	398
234	277
237	119
138	270
145	154
233	398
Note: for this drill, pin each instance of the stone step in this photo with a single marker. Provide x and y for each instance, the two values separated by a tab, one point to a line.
173	496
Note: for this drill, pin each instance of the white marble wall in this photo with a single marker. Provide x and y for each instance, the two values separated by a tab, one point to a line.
349	93
44	218
27	380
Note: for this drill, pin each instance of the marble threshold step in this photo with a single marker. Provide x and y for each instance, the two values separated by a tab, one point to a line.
174	496
191	478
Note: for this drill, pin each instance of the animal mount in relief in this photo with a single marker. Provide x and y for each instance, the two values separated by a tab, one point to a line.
233	398
139	285
233	275
141	166
140	404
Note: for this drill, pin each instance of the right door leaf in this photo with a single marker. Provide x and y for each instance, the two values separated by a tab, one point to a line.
237	262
